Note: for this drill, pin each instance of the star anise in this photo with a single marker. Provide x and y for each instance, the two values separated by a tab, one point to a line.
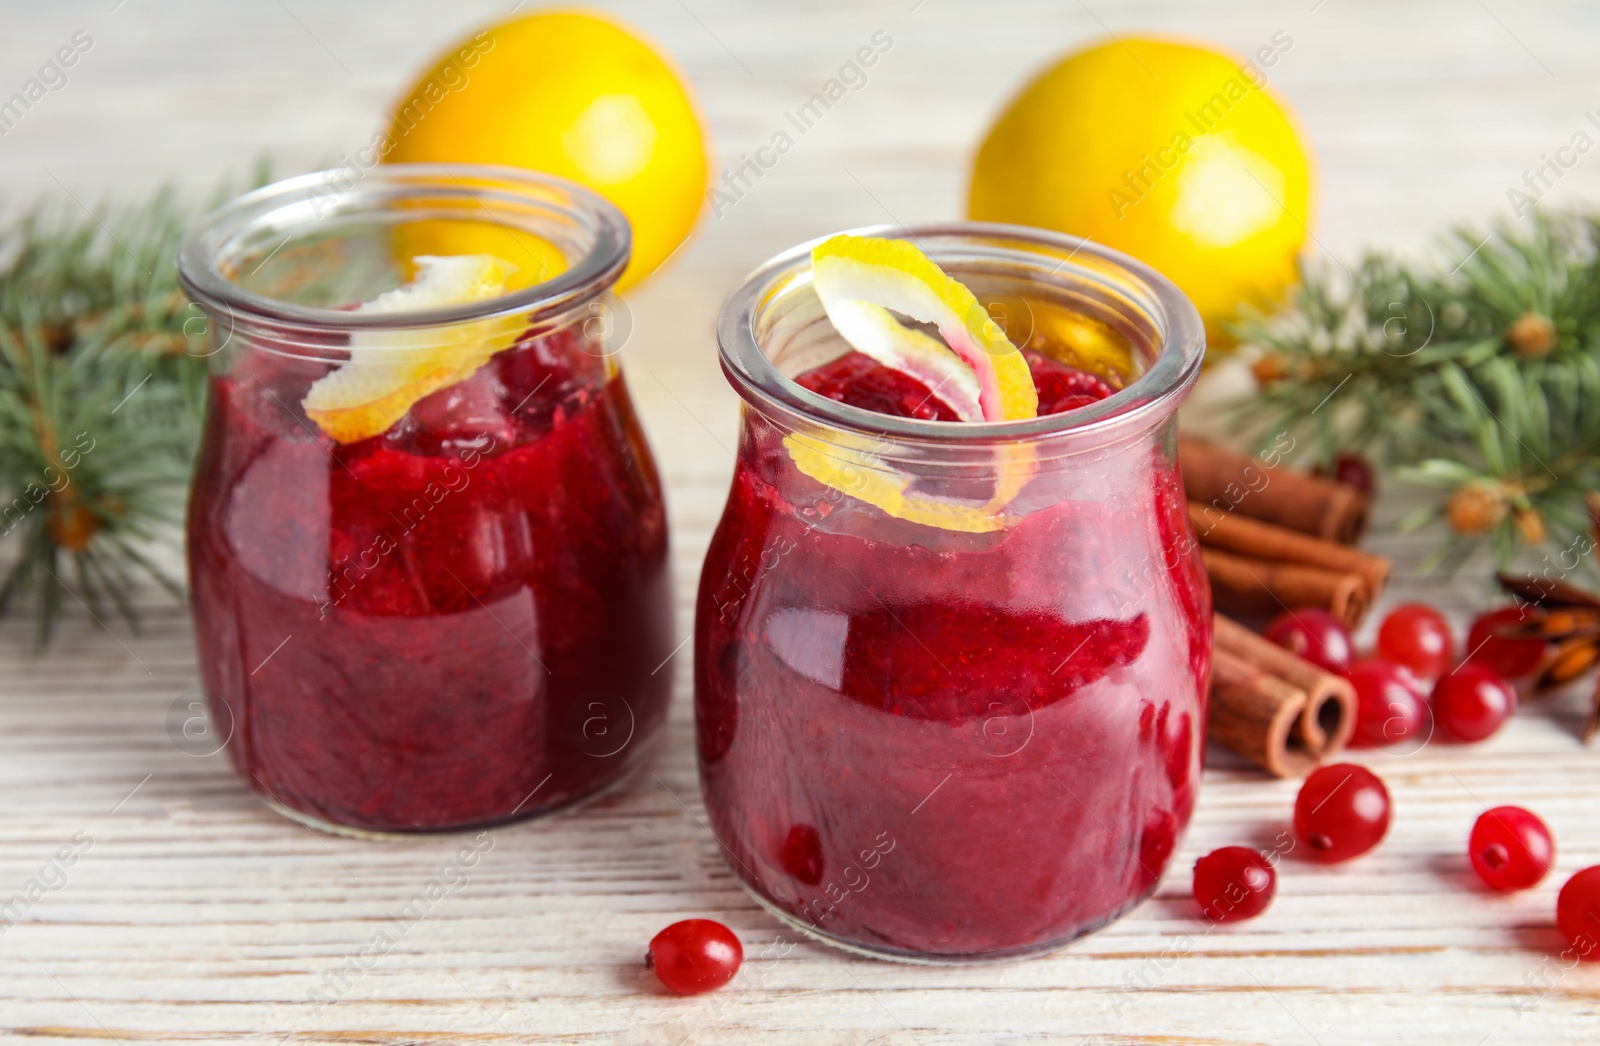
1567	618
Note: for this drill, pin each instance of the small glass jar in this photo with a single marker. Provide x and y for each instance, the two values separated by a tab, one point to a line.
460	619
950	678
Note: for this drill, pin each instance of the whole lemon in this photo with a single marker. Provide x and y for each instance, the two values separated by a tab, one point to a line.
570	94
1172	153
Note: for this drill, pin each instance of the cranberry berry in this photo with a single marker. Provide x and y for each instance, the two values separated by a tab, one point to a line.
1510	848
1342	811
1511	658
1417	636
802	854
1390	704
1471	702
1578	912
1061	387
1352	470
1316	635
1232	883
694	956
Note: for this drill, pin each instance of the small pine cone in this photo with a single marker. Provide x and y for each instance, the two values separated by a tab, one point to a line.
72	527
1476	508
1270	368
1530	525
1531	336
58	337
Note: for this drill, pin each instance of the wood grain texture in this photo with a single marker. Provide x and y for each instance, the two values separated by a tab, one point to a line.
196	915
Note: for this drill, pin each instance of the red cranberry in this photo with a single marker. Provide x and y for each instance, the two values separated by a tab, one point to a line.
1061	387
1352	470
1232	883
1578	912
1512	658
1417	636
1390	704
802	854
1510	848
694	956
1316	635
1156	840
1342	811
1471	702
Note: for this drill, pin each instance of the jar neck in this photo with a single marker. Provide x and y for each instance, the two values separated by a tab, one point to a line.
766	433
282	268
773	327
600	319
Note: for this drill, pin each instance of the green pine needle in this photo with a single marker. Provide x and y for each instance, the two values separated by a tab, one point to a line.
102	390
1482	367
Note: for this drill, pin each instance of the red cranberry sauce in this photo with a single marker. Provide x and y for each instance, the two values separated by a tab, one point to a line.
943	744
449	624
863	382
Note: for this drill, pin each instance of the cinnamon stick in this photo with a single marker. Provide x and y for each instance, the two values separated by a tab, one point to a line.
1232	482
1255	714
1247	585
1329	716
1233	532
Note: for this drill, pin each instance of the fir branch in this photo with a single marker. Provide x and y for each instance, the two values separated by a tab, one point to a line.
1481	379
102	390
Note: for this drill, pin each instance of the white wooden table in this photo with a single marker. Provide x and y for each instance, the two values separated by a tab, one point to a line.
196	914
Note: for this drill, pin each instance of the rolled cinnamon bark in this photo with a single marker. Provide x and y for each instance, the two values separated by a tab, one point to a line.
1247	585
1229	481
1237	533
1329	716
1255	714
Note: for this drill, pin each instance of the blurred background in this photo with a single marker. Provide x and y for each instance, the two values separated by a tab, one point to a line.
1420	114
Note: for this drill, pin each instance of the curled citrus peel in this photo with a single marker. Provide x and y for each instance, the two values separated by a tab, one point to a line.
873	331
893	274
388	371
977	371
857	474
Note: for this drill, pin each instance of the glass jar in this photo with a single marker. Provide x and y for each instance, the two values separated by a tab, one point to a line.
931	728
461	619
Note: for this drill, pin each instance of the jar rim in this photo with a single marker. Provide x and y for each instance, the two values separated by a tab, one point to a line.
296	202
1150	397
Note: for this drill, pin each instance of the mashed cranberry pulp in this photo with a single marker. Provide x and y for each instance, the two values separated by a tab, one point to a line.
944	745
450	624
862	382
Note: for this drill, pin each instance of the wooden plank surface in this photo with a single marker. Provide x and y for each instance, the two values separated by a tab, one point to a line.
192	913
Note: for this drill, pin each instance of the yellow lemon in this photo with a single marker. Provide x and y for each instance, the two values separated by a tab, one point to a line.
573	95
1172	153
